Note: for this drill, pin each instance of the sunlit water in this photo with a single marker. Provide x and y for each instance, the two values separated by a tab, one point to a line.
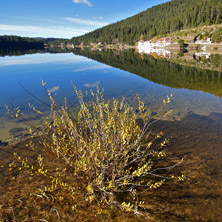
59	70
194	125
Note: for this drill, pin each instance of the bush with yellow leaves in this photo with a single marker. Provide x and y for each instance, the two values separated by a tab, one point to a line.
99	155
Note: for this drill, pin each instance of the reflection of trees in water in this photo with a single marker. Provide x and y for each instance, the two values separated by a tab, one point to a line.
155	69
9	44
215	60
16	45
19	52
162	71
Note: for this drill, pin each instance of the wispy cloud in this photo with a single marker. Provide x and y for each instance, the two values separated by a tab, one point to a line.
86	22
86	2
96	67
39	59
92	84
54	89
99	17
37	19
47	31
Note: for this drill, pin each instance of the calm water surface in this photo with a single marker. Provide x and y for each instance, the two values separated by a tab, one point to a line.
194	127
59	70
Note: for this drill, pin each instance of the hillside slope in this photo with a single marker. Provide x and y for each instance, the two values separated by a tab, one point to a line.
158	20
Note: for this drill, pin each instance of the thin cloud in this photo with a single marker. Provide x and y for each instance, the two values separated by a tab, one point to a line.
54	89
92	84
37	59
49	31
86	2
86	22
99	17
96	67
36	18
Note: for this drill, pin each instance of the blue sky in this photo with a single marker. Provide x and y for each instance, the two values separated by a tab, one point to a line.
65	18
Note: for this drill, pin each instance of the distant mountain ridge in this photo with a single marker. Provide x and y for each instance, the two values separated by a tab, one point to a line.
158	20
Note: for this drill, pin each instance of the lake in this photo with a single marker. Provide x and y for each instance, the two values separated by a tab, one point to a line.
194	127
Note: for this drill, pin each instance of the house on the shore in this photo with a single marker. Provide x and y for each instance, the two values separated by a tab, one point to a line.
160	43
204	42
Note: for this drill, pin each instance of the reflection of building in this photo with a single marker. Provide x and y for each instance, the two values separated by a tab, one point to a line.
160	52
202	54
68	45
142	43
155	48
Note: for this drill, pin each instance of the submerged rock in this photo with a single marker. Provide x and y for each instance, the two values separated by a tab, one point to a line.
153	113
3	143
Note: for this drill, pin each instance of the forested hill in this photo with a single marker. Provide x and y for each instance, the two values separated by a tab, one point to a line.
158	20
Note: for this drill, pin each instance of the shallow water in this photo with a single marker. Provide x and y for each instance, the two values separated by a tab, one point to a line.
59	70
194	127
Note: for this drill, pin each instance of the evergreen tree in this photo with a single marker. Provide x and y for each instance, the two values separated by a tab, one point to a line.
158	20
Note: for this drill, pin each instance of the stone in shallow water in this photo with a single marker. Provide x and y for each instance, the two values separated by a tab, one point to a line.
3	143
153	113
216	117
16	132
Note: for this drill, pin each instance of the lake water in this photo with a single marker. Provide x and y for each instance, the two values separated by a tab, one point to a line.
194	127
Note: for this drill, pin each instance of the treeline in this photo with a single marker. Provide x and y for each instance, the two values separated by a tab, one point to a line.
161	71
55	41
10	43
158	20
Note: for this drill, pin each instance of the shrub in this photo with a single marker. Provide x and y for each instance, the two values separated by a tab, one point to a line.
217	36
181	42
105	156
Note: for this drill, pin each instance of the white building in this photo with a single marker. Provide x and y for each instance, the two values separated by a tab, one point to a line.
161	43
204	42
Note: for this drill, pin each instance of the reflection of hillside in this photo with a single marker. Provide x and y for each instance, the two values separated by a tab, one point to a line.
160	71
203	60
